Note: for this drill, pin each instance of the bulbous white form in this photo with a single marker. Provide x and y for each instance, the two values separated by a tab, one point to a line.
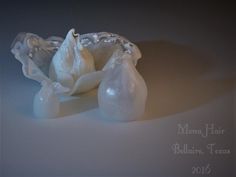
46	103
122	93
71	61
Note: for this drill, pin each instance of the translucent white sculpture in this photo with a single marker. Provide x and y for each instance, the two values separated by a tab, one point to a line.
75	65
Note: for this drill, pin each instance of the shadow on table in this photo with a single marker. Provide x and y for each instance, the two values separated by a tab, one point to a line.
78	104
174	75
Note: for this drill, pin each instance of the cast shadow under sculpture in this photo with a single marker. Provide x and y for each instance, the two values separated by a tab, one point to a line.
174	75
79	103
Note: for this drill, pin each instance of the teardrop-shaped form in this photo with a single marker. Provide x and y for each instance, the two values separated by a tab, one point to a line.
122	93
71	61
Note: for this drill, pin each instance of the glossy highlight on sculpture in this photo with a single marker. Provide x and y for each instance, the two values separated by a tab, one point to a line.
79	64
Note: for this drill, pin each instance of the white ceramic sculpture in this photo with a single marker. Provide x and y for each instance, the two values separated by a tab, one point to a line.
78	64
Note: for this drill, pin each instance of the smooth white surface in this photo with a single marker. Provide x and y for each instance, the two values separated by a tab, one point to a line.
122	93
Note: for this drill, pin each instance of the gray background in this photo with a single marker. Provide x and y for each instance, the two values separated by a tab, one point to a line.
188	64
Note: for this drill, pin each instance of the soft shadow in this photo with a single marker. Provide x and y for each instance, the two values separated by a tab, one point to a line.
78	103
174	76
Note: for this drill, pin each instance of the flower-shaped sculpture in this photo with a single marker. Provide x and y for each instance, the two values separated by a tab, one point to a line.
78	64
